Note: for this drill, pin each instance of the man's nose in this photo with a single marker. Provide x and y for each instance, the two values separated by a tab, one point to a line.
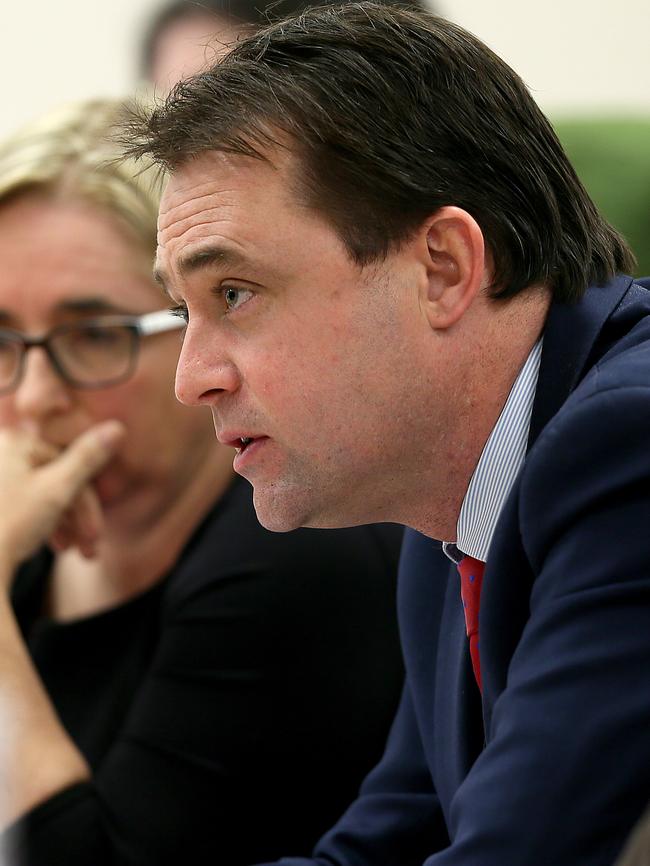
41	391
204	372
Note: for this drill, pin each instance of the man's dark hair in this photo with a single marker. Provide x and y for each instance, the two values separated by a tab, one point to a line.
391	115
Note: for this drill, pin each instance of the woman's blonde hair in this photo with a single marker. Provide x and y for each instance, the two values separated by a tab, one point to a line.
72	154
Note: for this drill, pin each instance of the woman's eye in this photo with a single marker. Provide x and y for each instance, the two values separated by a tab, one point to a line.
235	297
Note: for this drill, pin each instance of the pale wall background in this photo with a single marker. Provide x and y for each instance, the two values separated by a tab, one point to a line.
576	55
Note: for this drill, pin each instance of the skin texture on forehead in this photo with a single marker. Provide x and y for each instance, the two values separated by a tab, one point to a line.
208	191
243	207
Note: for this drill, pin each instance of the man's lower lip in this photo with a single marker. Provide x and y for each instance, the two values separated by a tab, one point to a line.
247	454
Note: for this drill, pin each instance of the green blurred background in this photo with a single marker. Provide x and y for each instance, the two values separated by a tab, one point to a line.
612	158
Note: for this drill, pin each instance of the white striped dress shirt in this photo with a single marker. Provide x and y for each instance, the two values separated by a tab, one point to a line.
497	468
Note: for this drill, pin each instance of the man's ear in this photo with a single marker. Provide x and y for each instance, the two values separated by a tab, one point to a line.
455	264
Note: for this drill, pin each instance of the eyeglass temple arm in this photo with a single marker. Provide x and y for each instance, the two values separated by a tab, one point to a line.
156	323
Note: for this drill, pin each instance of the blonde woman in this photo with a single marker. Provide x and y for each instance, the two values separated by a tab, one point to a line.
172	677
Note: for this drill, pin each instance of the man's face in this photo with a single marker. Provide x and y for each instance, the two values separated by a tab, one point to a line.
293	346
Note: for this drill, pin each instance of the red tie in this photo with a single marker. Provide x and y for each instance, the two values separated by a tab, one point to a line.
471	578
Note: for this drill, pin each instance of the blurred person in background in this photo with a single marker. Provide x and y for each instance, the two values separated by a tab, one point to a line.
184	37
172	675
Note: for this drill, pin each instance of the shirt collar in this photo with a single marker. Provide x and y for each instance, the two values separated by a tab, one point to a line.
497	468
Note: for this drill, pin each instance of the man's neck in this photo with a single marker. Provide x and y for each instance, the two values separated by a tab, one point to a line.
503	335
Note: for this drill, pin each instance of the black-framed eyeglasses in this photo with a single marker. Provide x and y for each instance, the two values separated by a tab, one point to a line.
92	353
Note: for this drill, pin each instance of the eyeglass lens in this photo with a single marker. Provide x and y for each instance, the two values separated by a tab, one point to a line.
10	360
88	354
94	353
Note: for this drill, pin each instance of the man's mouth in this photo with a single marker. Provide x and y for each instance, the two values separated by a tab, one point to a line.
246	451
241	444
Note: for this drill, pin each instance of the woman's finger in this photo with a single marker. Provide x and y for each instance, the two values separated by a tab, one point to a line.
67	474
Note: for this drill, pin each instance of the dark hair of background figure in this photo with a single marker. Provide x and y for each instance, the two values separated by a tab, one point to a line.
248	13
393	114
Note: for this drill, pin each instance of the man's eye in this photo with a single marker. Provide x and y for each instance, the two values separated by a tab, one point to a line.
235	297
181	311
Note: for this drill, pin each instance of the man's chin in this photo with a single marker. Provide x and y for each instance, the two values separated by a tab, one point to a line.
275	520
279	507
283	510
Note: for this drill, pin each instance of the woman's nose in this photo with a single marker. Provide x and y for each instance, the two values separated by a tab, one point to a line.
41	389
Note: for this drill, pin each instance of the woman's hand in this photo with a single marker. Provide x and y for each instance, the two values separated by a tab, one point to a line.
45	494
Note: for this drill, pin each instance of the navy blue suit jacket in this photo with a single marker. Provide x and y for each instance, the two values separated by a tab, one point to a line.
552	766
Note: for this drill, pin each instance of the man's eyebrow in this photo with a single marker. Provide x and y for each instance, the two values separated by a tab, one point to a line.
197	260
208	257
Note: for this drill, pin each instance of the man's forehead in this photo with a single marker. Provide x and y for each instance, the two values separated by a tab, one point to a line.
215	168
208	172
216	187
227	202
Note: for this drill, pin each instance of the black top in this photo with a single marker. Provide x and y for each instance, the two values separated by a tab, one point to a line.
230	712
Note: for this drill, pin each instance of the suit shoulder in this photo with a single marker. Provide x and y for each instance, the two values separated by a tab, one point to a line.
590	465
